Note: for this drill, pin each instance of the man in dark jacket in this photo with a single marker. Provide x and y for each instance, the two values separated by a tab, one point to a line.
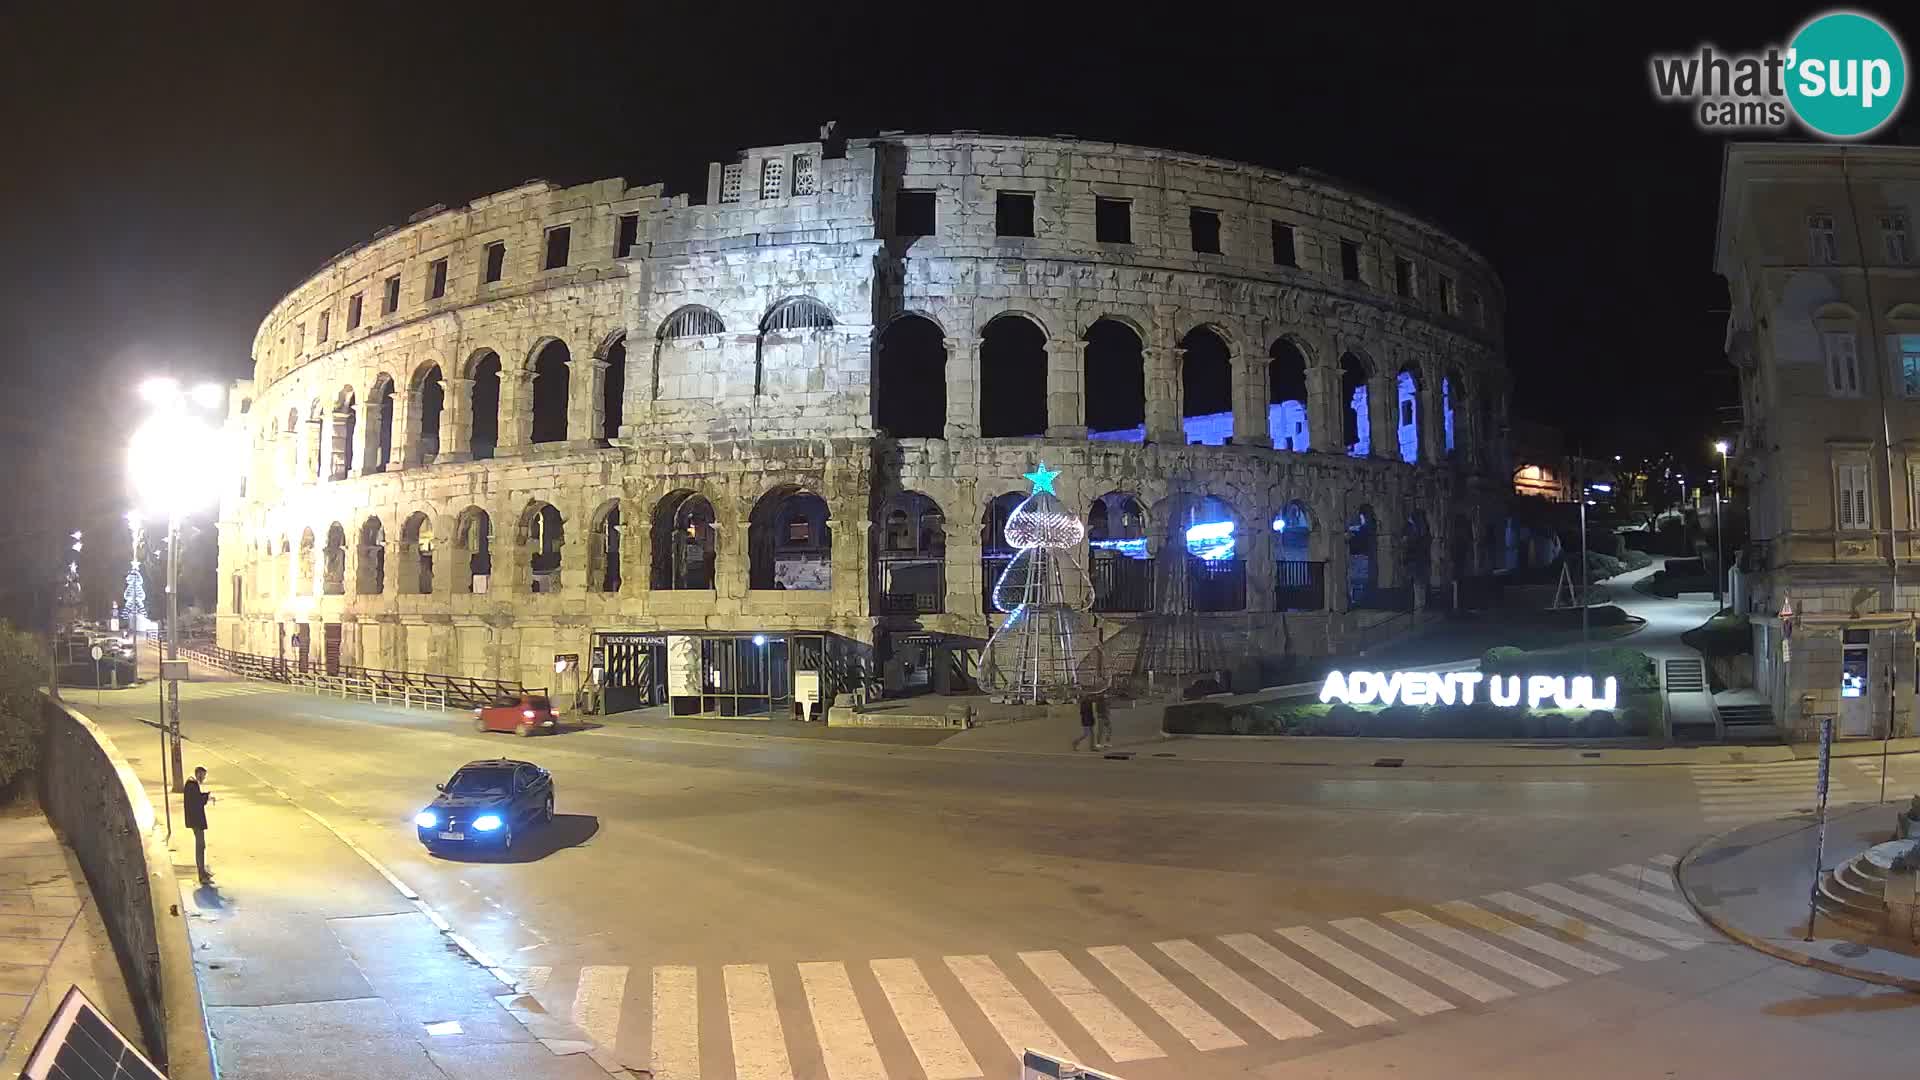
197	799
1086	724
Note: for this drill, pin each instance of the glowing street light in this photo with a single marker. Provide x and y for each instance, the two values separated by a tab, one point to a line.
1719	528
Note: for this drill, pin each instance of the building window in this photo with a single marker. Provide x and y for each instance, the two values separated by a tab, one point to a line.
1893	231
772	172
1850	488
1283	253
437	279
1205	227
299	337
805	180
559	246
1822	248
730	182
1013	213
1349	260
1449	301
391	302
496	262
353	311
913	213
1478	308
1843	363
1403	277
325	329
1113	221
1909	346
629	235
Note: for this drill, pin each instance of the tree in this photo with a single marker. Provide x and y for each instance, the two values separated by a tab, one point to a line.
23	664
1040	653
133	603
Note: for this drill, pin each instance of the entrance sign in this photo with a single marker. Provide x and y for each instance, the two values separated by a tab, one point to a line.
1460	687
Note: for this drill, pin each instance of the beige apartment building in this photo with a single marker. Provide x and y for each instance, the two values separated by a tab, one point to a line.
1816	243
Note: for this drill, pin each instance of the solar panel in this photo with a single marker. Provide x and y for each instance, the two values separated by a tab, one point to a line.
80	1043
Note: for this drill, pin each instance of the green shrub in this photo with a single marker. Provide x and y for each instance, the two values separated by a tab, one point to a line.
1501	658
1637	559
1632	667
23	667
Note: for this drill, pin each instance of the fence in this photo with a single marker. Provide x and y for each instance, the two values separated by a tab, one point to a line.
405	688
1121	583
1299	586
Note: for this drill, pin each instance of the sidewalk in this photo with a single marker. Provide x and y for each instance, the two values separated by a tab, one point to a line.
1753	884
51	937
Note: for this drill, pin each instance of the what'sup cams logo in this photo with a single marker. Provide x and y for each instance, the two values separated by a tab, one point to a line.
1842	76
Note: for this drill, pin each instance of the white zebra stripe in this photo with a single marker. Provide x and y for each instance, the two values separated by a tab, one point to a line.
943	1054
1578	929
1625	920
1408	996
1274	1018
759	1042
1008	1012
1119	1036
1646	875
1305	981
1467	945
596	1002
675	1053
1419	959
1665	905
1181	1012
846	1043
1481	919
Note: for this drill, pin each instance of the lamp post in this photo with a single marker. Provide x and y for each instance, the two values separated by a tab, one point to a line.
1720	532
173	464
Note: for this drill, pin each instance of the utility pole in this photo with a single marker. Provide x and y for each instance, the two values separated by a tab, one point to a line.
173	647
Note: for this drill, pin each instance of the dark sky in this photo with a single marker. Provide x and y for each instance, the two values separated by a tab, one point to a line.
171	170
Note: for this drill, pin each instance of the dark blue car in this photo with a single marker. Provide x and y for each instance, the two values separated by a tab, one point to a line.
485	804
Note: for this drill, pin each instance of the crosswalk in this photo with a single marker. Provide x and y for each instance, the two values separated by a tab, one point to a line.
966	1016
1733	794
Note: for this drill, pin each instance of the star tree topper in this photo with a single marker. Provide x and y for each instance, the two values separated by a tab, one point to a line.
1042	479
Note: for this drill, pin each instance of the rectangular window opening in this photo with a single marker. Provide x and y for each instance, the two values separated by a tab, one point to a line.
1843	363
496	261
559	245
629	235
437	279
1822	247
1013	213
1893	230
913	213
300	337
1205	226
772	177
1909	365
1113	221
1403	277
1853	495
1349	260
353	311
805	180
1283	253
1449	300
391	302
325	329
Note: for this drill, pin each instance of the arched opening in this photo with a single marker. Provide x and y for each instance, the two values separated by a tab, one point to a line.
787	351
334	575
1363	569
430	398
1287	397
1118	562
319	458
910	563
1206	388
380	405
416	546
473	550
1013	379
679	332
346	422
1450	396
683	555
544	533
290	569
1407	392
303	574
996	551
1299	581
1115	382
1216	568
613	390
371	575
1417	550
550	393
910	379
1355	424
789	545
486	405
603	554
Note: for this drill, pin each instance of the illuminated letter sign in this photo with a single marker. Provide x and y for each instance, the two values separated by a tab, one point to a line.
1436	688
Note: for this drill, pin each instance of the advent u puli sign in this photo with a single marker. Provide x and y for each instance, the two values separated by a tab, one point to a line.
1462	687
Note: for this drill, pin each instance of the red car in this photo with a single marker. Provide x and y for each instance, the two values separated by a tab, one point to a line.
530	715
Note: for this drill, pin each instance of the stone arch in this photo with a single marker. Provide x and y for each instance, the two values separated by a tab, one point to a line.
548	363
1119	562
483	368
789	541
427	387
345	422
1216	566
1299	579
789	331
1409	401
910	378
1287	396
1206	386
604	548
333	575
303	571
909	557
996	551
1363	551
379	450
416	554
1294	532
688	322
1453	401
1013	377
683	554
370	578
473	546
541	533
1355	423
1416	548
613	385
1115	380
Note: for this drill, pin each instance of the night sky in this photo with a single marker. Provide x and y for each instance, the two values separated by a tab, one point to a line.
172	170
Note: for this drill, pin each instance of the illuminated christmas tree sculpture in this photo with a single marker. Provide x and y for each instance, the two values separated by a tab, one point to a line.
1040	652
133	604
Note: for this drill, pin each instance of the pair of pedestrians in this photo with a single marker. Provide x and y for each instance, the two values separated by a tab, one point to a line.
1096	722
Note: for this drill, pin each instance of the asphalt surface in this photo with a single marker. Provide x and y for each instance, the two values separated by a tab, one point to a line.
700	888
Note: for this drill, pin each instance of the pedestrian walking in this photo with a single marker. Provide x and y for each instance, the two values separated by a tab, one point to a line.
1102	723
1086	724
197	798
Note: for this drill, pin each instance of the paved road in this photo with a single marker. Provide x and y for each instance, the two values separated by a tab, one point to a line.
720	905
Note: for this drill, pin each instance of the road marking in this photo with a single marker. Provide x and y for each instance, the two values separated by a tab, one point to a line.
759	1044
1665	905
1646	875
1006	1010
1118	1035
846	1043
1414	999
1481	919
596	1003
1276	1019
1419	959
1305	981
1194	1023
1467	945
532	980
676	1024
942	1053
1625	920
1578	929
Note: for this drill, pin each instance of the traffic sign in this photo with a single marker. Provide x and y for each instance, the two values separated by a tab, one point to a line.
99	653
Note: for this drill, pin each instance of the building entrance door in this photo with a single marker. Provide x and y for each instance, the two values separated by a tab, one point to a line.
1856	668
636	670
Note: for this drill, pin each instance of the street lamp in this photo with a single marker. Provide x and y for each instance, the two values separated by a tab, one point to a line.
1720	531
174	466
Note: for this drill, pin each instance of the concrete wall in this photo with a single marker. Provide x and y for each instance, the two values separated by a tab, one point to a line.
102	812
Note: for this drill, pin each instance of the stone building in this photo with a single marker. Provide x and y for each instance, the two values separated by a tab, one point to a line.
733	446
1816	244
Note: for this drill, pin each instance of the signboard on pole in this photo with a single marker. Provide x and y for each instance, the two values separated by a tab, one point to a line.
173	670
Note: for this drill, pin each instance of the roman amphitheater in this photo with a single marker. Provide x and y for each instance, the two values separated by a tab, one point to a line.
761	445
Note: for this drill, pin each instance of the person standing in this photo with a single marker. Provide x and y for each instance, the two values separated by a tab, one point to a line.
197	798
1086	724
1102	723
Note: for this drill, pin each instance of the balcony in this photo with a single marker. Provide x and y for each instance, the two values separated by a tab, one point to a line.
1217	584
1299	586
1121	583
910	585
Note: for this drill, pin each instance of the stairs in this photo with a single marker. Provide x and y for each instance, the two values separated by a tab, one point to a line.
1855	892
1686	675
1689	706
1748	723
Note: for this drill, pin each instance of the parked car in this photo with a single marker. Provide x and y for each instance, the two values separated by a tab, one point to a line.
484	804
525	716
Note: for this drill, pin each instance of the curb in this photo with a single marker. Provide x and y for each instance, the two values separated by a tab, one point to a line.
1761	945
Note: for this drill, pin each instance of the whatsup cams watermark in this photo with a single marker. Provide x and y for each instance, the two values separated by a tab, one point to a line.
1843	75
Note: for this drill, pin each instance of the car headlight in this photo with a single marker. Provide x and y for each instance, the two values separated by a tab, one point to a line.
486	823
426	819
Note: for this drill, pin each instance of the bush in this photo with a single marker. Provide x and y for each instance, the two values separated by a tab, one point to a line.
23	664
1632	667
1637	560
1501	658
1198	718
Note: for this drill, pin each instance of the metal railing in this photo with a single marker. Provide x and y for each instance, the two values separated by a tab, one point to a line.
1217	584
1299	585
379	685
1121	583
